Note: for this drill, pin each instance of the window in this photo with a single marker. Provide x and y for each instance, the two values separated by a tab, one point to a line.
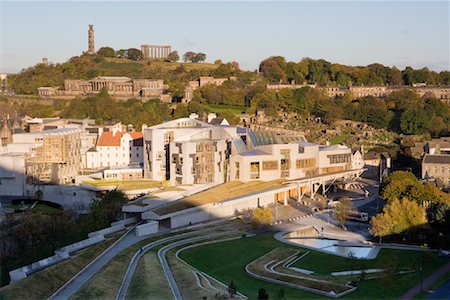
254	170
305	163
236	164
270	165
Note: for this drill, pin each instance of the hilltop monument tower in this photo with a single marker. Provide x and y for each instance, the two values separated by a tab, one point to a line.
91	47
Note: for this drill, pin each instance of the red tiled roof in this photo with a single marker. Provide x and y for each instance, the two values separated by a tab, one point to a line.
136	134
108	139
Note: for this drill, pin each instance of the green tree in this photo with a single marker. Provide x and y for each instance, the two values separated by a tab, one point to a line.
262	294
134	54
342	210
199	57
189	56
415	121
173	56
106	52
122	53
398	216
271	70
261	217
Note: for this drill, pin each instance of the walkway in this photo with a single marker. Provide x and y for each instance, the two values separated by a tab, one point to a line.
165	265
129	239
441	293
427	282
93	267
123	290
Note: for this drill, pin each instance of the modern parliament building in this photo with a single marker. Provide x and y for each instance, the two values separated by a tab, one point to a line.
191	151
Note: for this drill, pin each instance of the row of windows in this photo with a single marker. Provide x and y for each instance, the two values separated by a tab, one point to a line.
306	163
437	169
107	155
340	158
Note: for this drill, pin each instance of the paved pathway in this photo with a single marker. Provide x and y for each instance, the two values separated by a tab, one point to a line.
427	282
84	275
165	265
137	256
442	293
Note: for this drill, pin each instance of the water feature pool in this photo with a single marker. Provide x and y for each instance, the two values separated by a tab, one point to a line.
333	247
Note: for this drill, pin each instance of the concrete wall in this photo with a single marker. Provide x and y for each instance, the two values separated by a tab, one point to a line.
82	244
60	255
108	230
224	209
148	228
68	196
125	222
23	272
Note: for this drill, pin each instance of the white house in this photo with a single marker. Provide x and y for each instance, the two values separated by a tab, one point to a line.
116	148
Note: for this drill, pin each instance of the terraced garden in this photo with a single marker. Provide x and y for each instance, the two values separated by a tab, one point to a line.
227	261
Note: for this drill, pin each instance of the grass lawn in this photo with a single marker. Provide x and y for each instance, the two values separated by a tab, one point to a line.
321	264
218	108
219	193
149	281
338	139
226	262
125	185
42	208
43	284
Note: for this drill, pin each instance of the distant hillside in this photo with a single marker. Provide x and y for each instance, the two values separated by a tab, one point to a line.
86	67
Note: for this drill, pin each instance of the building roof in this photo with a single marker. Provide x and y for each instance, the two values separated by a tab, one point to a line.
108	139
306	144
333	147
111	78
254	152
437	159
240	145
260	138
216	121
371	155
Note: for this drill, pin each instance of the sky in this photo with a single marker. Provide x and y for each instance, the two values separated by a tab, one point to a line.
405	33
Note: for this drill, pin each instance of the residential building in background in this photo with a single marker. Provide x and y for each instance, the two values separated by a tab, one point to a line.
437	167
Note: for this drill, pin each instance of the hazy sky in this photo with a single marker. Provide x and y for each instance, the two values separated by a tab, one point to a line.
357	33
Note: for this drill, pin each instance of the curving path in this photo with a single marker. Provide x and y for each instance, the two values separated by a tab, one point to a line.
123	290
70	287
127	240
165	265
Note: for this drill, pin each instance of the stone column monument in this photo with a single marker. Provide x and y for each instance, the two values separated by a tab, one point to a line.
91	47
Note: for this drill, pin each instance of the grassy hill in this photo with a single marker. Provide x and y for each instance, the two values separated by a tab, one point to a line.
86	67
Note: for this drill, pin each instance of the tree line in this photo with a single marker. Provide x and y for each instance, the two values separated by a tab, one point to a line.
276	69
402	111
